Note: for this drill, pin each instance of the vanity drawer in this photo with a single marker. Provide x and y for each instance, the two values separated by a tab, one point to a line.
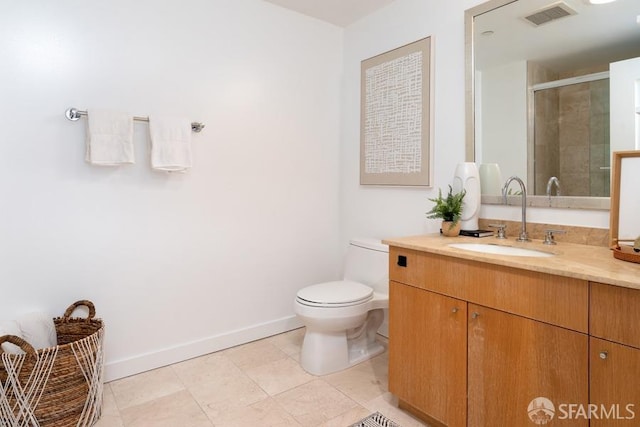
445	275
615	314
558	300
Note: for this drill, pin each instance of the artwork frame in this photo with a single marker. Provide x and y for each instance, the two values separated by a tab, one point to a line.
396	116
625	204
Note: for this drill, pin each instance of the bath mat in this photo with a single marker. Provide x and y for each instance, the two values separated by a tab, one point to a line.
375	420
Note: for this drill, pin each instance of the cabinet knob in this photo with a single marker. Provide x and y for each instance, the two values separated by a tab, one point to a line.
455	309
475	315
604	355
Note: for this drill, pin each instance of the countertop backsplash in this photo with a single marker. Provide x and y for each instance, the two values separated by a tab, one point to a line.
580	235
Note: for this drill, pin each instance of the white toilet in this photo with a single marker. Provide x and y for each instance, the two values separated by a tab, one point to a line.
342	317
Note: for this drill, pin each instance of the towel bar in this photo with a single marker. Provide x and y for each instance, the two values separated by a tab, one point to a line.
74	114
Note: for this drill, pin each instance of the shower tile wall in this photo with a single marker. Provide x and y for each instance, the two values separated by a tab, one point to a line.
547	158
584	138
572	136
546	127
600	158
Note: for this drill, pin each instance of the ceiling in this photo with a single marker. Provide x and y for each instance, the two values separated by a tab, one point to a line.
594	35
337	12
597	34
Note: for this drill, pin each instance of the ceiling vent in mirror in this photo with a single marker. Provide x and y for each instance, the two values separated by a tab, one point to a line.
549	13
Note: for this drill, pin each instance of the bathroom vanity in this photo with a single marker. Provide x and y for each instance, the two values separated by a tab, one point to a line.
475	337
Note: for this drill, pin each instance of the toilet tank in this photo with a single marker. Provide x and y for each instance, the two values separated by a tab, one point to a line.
367	262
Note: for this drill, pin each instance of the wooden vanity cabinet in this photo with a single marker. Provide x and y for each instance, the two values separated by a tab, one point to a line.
614	383
615	355
513	360
614	314
428	353
484	369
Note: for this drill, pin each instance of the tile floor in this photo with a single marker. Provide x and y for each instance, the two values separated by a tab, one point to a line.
256	384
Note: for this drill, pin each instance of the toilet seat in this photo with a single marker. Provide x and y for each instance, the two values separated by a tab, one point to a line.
342	293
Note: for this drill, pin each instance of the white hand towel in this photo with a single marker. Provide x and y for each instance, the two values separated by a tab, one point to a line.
38	329
109	138
170	143
10	327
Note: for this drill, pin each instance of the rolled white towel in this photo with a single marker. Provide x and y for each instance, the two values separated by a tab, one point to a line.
10	327
38	329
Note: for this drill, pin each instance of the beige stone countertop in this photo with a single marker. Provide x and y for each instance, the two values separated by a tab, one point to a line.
584	262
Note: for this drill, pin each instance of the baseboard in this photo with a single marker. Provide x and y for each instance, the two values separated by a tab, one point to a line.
167	356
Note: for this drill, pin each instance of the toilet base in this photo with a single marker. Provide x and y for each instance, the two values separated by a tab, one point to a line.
360	355
326	352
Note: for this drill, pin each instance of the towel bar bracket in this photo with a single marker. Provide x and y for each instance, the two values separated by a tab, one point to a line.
74	114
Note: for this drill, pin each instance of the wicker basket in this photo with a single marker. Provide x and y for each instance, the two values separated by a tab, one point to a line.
59	386
626	253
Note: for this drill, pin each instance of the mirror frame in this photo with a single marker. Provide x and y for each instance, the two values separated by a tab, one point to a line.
567	202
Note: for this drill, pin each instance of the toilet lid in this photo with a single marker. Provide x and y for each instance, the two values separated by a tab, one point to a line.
339	293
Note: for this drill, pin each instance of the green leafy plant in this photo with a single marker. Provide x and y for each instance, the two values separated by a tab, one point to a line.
447	208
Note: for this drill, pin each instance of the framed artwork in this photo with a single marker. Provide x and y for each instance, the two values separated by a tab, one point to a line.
625	202
395	117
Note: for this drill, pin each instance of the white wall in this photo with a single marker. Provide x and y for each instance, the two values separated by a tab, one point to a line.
624	83
177	265
504	118
387	212
391	212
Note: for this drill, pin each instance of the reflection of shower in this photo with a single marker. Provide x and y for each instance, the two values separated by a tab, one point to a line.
571	135
553	180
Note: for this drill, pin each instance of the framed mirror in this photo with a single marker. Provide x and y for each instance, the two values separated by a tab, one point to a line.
540	95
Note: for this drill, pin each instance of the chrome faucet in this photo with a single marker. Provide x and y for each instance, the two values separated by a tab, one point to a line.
524	237
556	181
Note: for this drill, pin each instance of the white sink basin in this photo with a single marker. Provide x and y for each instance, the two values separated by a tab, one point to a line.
499	250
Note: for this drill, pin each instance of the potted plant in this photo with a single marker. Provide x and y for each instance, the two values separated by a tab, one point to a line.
449	210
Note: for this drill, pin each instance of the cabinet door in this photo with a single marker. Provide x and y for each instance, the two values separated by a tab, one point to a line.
427	352
615	373
514	360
